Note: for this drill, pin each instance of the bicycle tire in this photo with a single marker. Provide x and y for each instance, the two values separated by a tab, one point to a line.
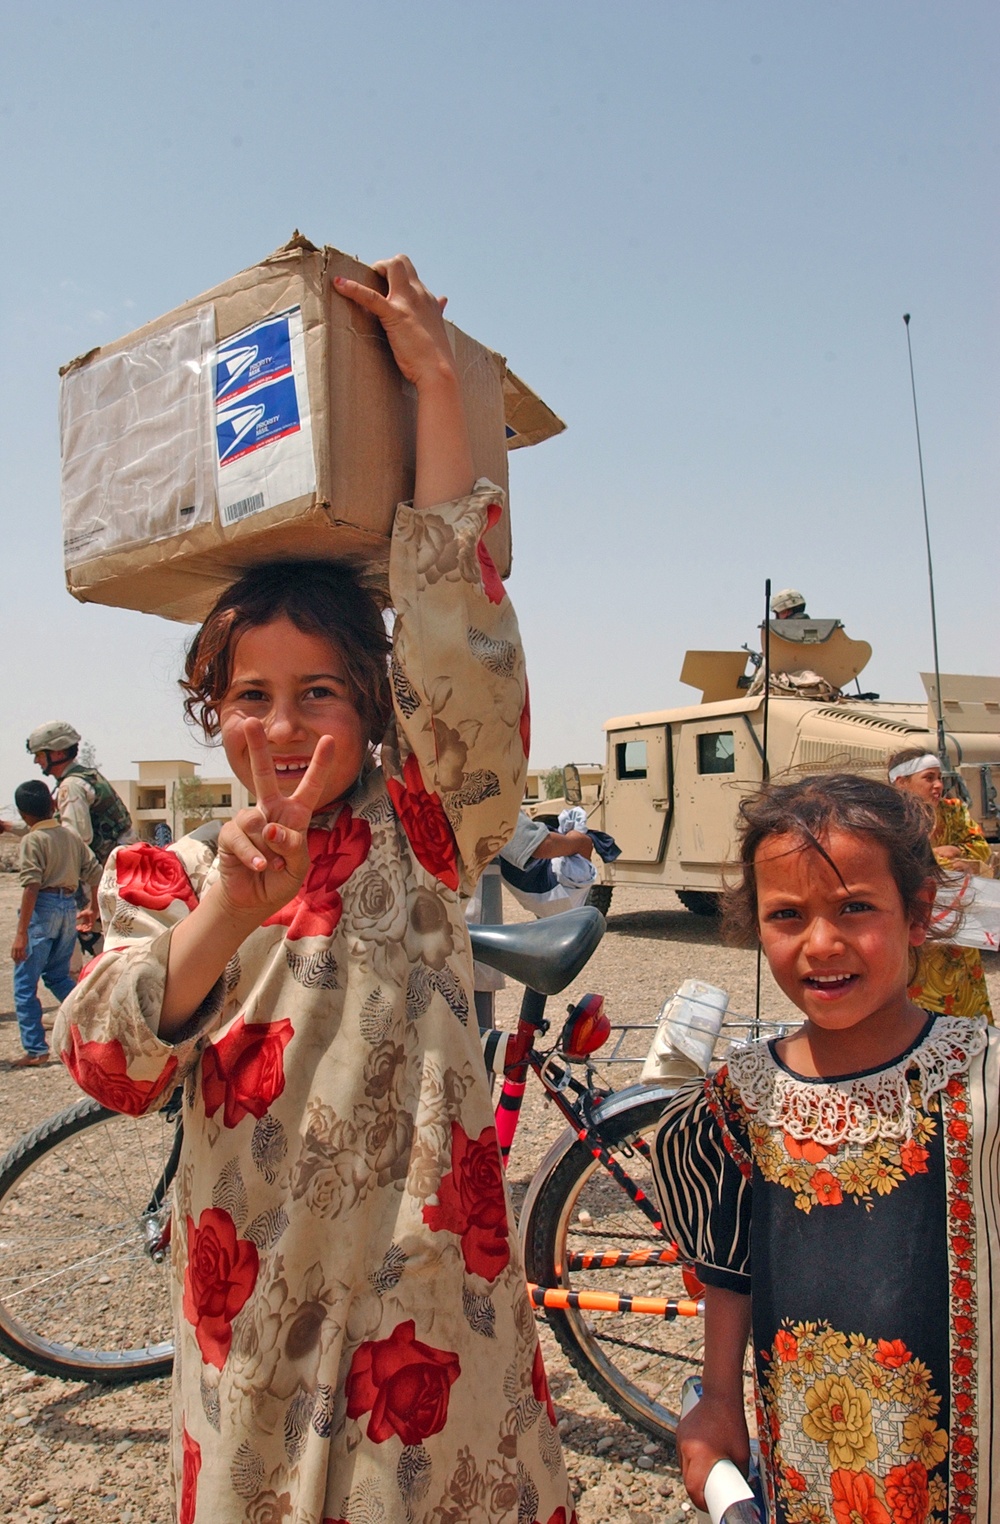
635	1362
74	1199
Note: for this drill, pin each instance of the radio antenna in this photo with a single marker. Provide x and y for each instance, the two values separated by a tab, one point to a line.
942	744
765	774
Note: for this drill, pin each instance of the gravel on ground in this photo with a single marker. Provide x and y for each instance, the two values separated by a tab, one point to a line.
73	1453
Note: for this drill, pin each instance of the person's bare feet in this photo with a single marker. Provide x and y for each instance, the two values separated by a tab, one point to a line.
30	1061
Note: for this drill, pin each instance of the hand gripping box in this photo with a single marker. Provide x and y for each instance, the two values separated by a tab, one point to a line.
264	419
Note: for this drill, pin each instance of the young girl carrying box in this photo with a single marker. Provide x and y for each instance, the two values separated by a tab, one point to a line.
840	1188
354	1340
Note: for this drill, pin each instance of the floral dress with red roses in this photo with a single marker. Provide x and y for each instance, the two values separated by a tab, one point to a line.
860	1215
354	1339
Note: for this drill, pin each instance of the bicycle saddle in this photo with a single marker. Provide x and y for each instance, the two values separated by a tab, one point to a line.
545	955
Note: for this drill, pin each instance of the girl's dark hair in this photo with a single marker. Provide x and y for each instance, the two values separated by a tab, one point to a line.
812	807
326	598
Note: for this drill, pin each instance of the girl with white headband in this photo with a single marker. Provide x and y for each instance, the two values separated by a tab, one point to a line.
947	979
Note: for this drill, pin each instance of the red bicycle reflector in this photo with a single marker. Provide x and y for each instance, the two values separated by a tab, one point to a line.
586	1028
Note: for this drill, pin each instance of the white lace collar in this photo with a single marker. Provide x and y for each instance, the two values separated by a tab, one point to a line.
860	1108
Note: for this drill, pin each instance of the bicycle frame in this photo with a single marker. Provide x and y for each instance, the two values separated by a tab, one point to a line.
556	1078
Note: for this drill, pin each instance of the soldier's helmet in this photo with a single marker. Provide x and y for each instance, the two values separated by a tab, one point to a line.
55	736
789	600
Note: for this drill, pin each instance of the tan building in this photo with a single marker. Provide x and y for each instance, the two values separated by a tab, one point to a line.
170	793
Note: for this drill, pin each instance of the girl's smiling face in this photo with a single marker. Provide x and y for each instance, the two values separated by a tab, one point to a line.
838	950
296	685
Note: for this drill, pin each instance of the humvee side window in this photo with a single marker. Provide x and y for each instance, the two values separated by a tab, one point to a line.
716	752
630	759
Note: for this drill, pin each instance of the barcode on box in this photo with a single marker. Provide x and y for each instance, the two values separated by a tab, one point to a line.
246	505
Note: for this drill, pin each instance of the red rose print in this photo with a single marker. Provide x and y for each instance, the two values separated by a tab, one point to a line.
540	1385
963	1444
524	724
471	1203
906	1493
795	1480
954	1087
427	827
153	877
220	1274
827	1188
786	1345
854	1500
245	1069
492	585
333	857
961	1288
963	1365
913	1157
101	1069
404	1384
958	1129
962	1210
191	1452
892	1353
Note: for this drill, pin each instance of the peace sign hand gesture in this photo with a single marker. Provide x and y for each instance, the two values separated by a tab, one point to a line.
264	851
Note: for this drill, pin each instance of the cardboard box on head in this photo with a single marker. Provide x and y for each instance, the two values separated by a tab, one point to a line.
264	419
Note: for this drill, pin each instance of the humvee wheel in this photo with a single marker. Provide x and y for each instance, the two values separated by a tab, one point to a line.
699	901
600	897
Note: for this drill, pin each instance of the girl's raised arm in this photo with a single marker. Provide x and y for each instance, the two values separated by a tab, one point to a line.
413	323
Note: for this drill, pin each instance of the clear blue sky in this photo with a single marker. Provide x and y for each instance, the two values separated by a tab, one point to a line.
693	227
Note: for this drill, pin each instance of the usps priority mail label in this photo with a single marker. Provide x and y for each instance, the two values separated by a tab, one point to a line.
263	428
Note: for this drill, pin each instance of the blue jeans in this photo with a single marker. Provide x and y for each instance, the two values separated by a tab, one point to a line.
51	938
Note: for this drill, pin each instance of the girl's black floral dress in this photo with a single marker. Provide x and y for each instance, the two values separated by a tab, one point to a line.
861	1215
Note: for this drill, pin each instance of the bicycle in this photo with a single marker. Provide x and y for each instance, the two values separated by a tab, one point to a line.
85	1204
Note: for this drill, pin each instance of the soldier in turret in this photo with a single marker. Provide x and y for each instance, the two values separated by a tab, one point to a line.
789	604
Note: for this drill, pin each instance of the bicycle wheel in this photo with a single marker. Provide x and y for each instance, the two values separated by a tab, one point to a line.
80	1295
583	1233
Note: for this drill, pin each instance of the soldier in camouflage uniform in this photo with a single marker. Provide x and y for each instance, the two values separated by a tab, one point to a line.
85	801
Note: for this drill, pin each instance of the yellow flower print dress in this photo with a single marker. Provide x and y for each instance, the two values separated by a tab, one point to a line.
859	1214
950	979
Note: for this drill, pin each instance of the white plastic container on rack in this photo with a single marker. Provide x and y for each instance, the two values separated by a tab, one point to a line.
686	1033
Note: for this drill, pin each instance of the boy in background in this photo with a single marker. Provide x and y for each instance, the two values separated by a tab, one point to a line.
53	863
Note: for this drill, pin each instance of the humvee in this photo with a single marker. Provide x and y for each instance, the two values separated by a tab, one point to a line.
673	778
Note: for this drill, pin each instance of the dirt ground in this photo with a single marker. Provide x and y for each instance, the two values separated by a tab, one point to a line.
81	1454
